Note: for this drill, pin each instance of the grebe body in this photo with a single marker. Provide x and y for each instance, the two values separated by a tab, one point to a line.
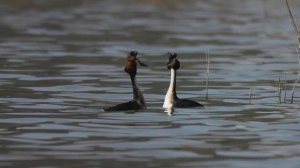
138	101
171	99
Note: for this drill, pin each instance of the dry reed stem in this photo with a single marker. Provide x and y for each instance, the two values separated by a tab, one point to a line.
298	77
285	88
207	71
250	96
296	30
279	90
294	24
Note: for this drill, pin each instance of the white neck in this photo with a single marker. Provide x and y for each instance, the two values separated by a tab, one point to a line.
137	94
171	94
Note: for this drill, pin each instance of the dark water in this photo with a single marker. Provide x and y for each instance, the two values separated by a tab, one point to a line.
62	61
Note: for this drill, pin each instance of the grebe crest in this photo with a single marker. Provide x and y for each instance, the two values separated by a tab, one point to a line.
138	102
171	99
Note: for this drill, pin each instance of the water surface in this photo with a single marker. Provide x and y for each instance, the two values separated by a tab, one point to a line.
62	62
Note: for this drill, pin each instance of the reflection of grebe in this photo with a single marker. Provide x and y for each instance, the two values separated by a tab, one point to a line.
171	99
138	102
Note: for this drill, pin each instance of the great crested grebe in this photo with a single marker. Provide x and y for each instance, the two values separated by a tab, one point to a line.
138	102
171	99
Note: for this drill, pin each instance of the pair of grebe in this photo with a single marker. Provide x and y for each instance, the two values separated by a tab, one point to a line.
138	102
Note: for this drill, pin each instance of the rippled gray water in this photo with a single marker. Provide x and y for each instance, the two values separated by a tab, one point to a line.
62	61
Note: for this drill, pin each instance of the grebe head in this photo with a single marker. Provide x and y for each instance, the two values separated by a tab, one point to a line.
173	63
130	67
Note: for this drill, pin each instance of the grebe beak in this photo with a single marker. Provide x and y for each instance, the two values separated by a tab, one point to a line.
134	54
141	64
